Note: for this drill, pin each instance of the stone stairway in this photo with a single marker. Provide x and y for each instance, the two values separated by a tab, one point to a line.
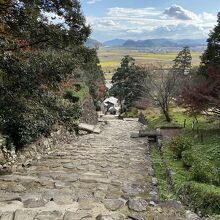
105	176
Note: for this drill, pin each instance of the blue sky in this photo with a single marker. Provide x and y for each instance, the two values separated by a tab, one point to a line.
144	19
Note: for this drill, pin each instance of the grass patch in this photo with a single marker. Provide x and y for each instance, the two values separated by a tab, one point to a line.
196	175
160	121
78	93
179	119
160	171
202	197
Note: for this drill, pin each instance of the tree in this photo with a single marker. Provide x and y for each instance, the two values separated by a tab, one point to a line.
41	49
203	95
211	56
127	82
160	86
182	69
163	85
182	62
33	24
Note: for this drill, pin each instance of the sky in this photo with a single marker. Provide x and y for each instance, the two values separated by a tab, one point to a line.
145	19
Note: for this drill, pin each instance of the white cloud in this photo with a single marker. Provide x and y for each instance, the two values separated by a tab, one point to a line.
143	23
132	12
90	2
177	12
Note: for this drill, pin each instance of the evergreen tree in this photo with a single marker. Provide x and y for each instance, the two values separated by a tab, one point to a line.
202	94
211	56
128	82
182	62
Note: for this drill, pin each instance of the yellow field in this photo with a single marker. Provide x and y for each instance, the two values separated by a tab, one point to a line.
110	58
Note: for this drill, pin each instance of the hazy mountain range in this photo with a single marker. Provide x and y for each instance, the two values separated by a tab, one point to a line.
92	43
148	43
155	43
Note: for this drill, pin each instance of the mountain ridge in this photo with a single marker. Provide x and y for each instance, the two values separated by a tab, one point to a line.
157	42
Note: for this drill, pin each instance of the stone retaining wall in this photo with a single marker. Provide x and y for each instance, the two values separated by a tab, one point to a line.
2	150
9	160
43	146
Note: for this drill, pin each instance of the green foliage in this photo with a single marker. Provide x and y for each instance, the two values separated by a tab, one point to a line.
202	197
25	126
196	175
69	94
182	62
29	127
2	161
180	144
24	21
204	172
201	93
77	93
128	82
211	56
37	58
132	113
160	173
188	158
158	121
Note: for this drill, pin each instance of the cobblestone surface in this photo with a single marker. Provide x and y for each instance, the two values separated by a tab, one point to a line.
98	176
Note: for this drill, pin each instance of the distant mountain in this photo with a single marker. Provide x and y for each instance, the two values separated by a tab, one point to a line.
151	43
114	43
148	43
192	42
91	43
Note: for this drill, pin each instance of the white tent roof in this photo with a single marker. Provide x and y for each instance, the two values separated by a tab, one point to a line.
112	100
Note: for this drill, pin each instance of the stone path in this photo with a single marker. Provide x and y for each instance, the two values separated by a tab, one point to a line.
105	176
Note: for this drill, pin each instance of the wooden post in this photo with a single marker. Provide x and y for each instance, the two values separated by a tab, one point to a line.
184	125
193	125
202	138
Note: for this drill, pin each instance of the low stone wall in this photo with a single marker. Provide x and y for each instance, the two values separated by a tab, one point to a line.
9	160
2	150
43	146
169	133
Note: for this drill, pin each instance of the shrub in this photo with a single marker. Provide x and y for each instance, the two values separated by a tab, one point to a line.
77	93
188	158
68	114
132	113
180	144
202	197
31	119
70	95
204	172
31	125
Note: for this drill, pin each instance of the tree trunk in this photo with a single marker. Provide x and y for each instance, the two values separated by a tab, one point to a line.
167	115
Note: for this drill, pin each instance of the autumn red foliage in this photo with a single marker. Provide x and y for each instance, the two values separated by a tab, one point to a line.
203	96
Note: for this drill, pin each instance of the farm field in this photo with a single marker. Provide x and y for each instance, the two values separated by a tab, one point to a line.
110	58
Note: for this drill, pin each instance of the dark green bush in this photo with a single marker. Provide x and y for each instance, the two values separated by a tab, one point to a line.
188	158
180	144
77	87
201	197
68	114
204	172
31	119
70	95
28	126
